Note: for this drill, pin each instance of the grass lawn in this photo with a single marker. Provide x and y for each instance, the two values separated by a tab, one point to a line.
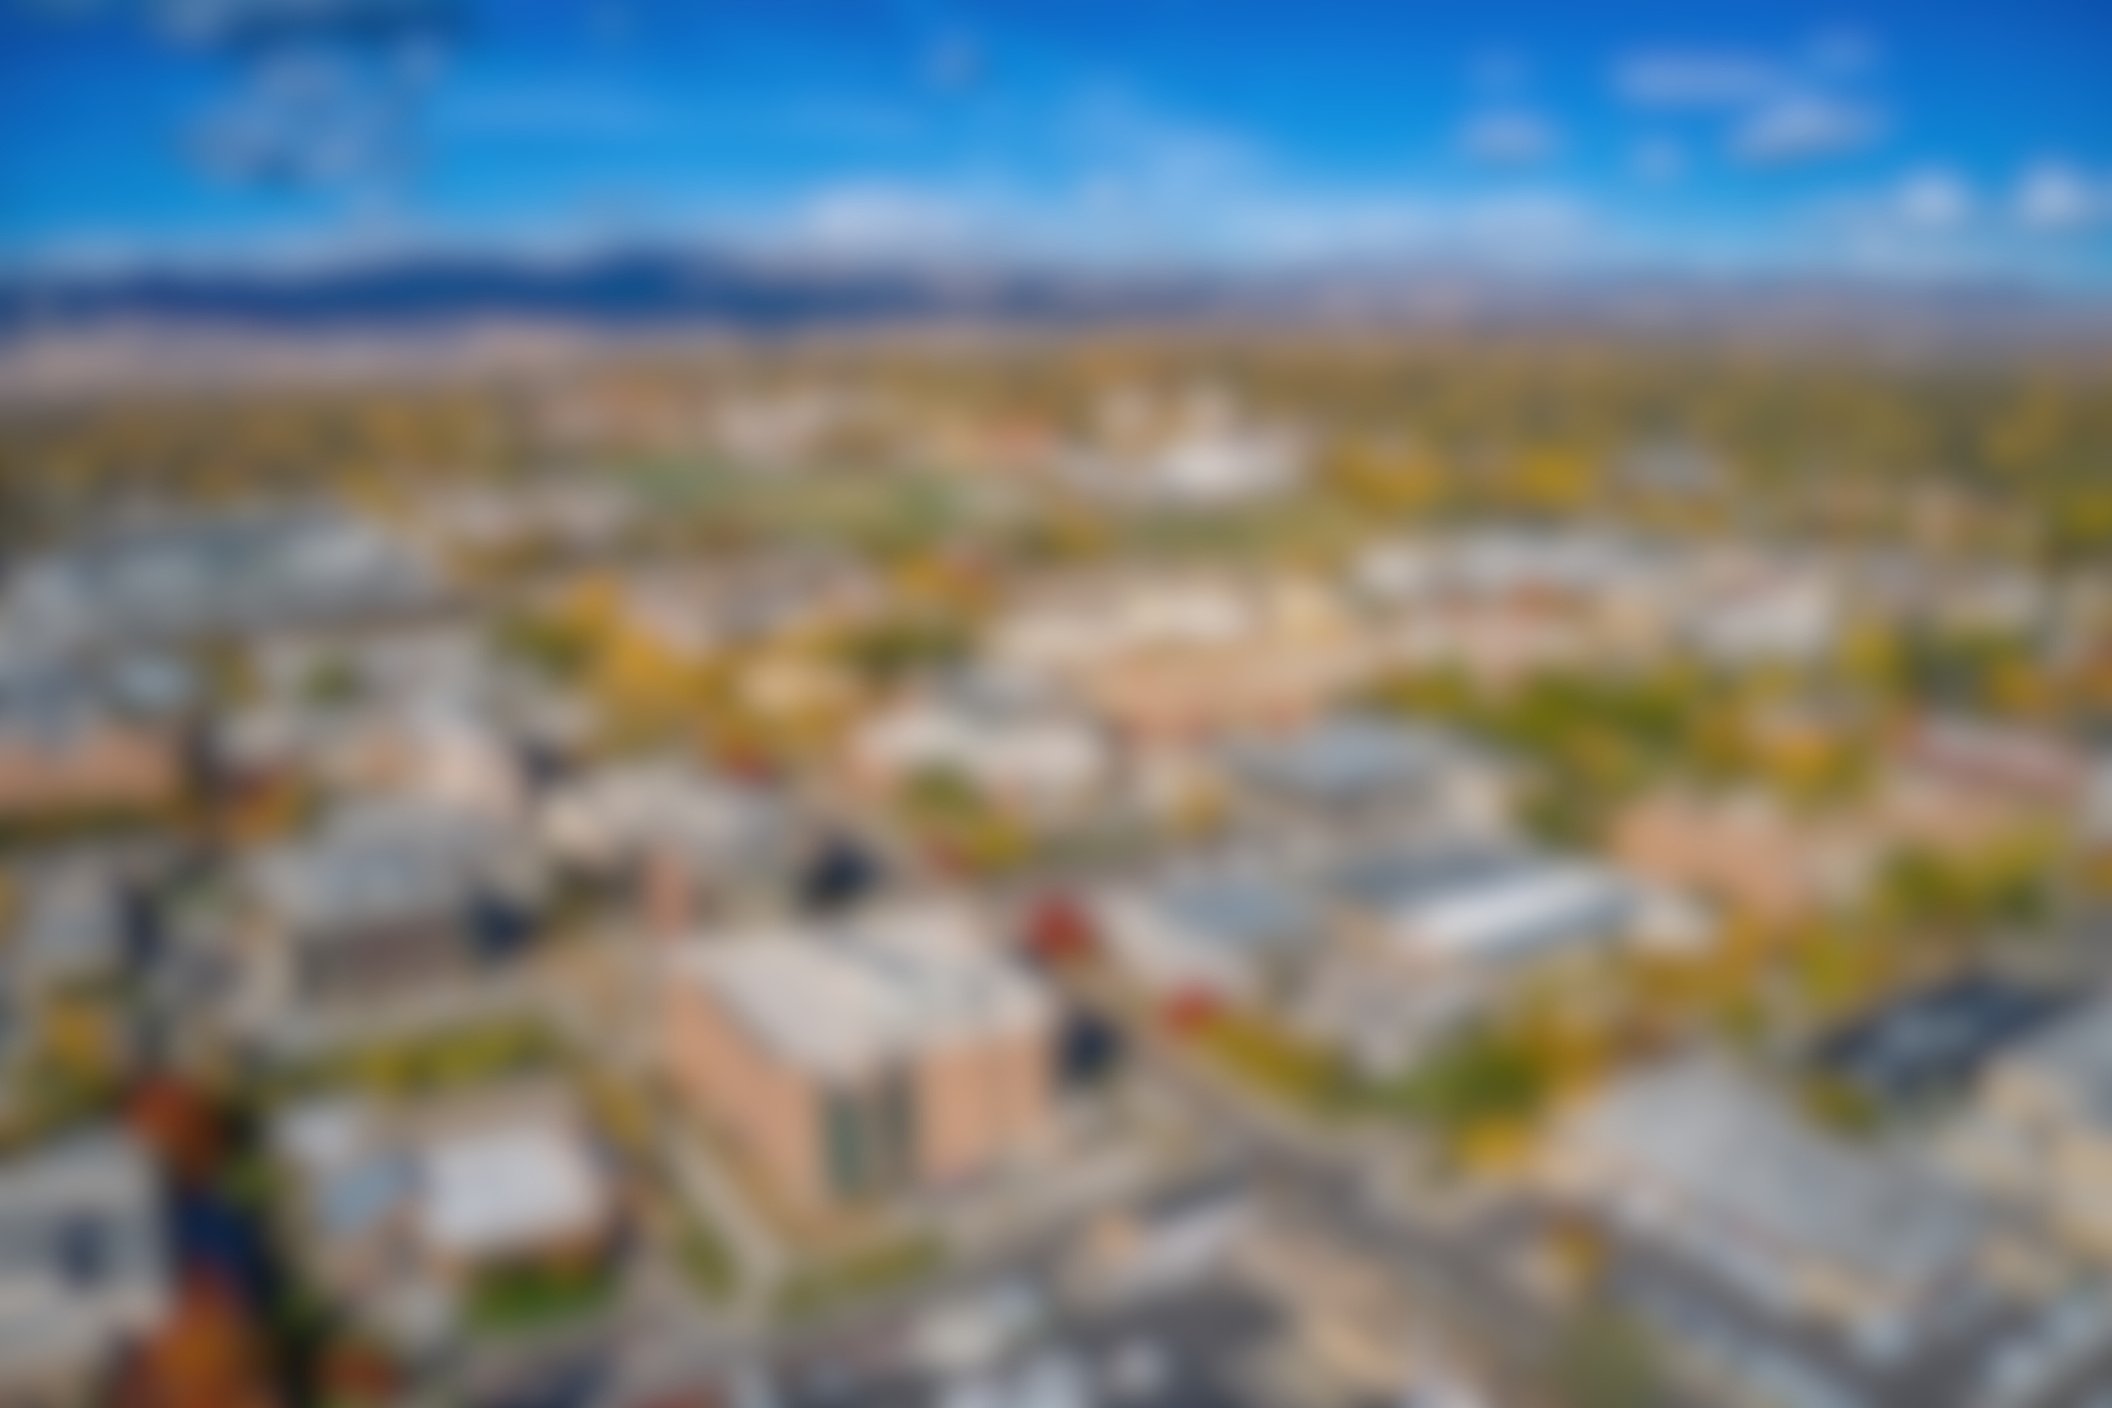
1279	1063
447	1060
521	1300
529	1299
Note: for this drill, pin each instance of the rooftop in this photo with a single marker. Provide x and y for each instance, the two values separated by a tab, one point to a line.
1938	1037
169	581
1548	907
877	987
1349	760
1400	877
391	859
44	701
1724	1148
2075	1056
670	804
1469	901
1997	756
70	919
486	1191
1241	907
82	1259
478	1177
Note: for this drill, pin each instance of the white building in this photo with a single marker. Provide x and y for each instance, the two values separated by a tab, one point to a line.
395	1198
84	1264
1083	623
1008	739
1482	907
1203	456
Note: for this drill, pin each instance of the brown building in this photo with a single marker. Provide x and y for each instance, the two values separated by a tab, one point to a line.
68	749
901	1051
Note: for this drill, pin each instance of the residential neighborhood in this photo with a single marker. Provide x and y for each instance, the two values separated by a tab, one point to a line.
516	935
1055	704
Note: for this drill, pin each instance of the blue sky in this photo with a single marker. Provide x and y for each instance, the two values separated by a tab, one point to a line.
1886	139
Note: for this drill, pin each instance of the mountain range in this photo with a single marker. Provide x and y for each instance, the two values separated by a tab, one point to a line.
653	291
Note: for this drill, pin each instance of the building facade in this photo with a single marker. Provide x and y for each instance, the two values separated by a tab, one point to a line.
894	1053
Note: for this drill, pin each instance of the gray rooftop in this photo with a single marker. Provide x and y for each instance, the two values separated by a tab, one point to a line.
1734	1155
71	918
2075	1056
207	576
1245	908
44	701
394	860
1350	761
1394	877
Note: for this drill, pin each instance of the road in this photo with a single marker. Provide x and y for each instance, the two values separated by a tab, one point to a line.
1351	1189
1326	1183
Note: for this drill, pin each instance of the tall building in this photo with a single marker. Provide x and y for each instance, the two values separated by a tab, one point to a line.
889	1051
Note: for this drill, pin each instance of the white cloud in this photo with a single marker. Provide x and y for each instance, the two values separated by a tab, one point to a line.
1531	225
1509	137
2054	196
882	218
1262	221
1526	222
1694	78
1800	127
1934	199
1308	225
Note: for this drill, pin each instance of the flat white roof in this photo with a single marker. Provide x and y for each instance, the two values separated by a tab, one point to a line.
1542	907
496	1190
874	988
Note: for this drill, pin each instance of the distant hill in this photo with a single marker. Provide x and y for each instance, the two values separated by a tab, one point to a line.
622	289
418	300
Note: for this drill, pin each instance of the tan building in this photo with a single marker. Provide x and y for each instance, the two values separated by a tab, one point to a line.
103	770
1747	852
1172	659
1504	606
895	1052
1955	785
